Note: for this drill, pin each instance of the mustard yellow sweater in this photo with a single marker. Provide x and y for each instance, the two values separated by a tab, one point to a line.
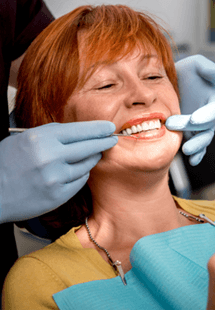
34	278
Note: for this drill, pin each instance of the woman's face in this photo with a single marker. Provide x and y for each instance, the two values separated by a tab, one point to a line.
132	92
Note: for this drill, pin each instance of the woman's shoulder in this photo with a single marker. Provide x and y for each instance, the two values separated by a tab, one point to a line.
42	273
30	284
64	260
197	207
62	254
43	265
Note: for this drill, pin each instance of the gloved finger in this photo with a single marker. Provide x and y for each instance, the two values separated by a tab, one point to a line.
204	114
72	132
178	122
182	123
78	151
78	170
206	68
198	142
195	159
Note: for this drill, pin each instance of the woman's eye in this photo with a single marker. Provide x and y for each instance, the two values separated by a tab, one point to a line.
106	86
154	77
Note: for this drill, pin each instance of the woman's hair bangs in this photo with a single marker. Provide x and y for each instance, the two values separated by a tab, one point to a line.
110	33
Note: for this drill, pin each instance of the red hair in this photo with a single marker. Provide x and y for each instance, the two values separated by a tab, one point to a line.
50	73
50	70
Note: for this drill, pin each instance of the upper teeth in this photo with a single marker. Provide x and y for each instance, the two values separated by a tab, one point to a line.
156	124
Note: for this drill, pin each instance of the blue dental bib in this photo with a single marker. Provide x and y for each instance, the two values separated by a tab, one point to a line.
169	271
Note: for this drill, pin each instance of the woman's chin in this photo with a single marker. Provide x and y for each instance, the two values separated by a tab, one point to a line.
143	155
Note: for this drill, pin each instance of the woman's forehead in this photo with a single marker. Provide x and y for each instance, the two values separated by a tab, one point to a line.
144	53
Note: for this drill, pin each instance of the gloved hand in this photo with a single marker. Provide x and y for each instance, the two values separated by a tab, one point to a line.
196	78
43	167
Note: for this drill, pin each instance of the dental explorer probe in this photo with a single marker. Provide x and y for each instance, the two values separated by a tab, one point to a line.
18	130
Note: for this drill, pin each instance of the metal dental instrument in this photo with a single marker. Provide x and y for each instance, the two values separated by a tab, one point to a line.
118	134
17	130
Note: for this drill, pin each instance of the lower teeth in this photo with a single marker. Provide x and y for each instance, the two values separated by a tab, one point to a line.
135	133
144	131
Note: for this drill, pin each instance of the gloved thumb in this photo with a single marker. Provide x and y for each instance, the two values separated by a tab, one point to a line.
183	123
204	114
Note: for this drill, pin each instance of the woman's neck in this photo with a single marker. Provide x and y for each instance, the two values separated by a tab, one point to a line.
125	211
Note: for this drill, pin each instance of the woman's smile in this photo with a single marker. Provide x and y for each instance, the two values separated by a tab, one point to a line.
144	127
147	134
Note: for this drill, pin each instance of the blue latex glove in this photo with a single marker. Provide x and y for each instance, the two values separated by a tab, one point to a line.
43	167
196	78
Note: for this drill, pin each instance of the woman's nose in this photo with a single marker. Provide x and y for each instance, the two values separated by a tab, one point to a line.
140	93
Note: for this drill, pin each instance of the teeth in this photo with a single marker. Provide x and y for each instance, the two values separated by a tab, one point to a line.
145	126
129	131
158	124
139	128
134	129
151	125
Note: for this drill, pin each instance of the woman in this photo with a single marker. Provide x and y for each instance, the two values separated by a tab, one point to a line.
112	63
